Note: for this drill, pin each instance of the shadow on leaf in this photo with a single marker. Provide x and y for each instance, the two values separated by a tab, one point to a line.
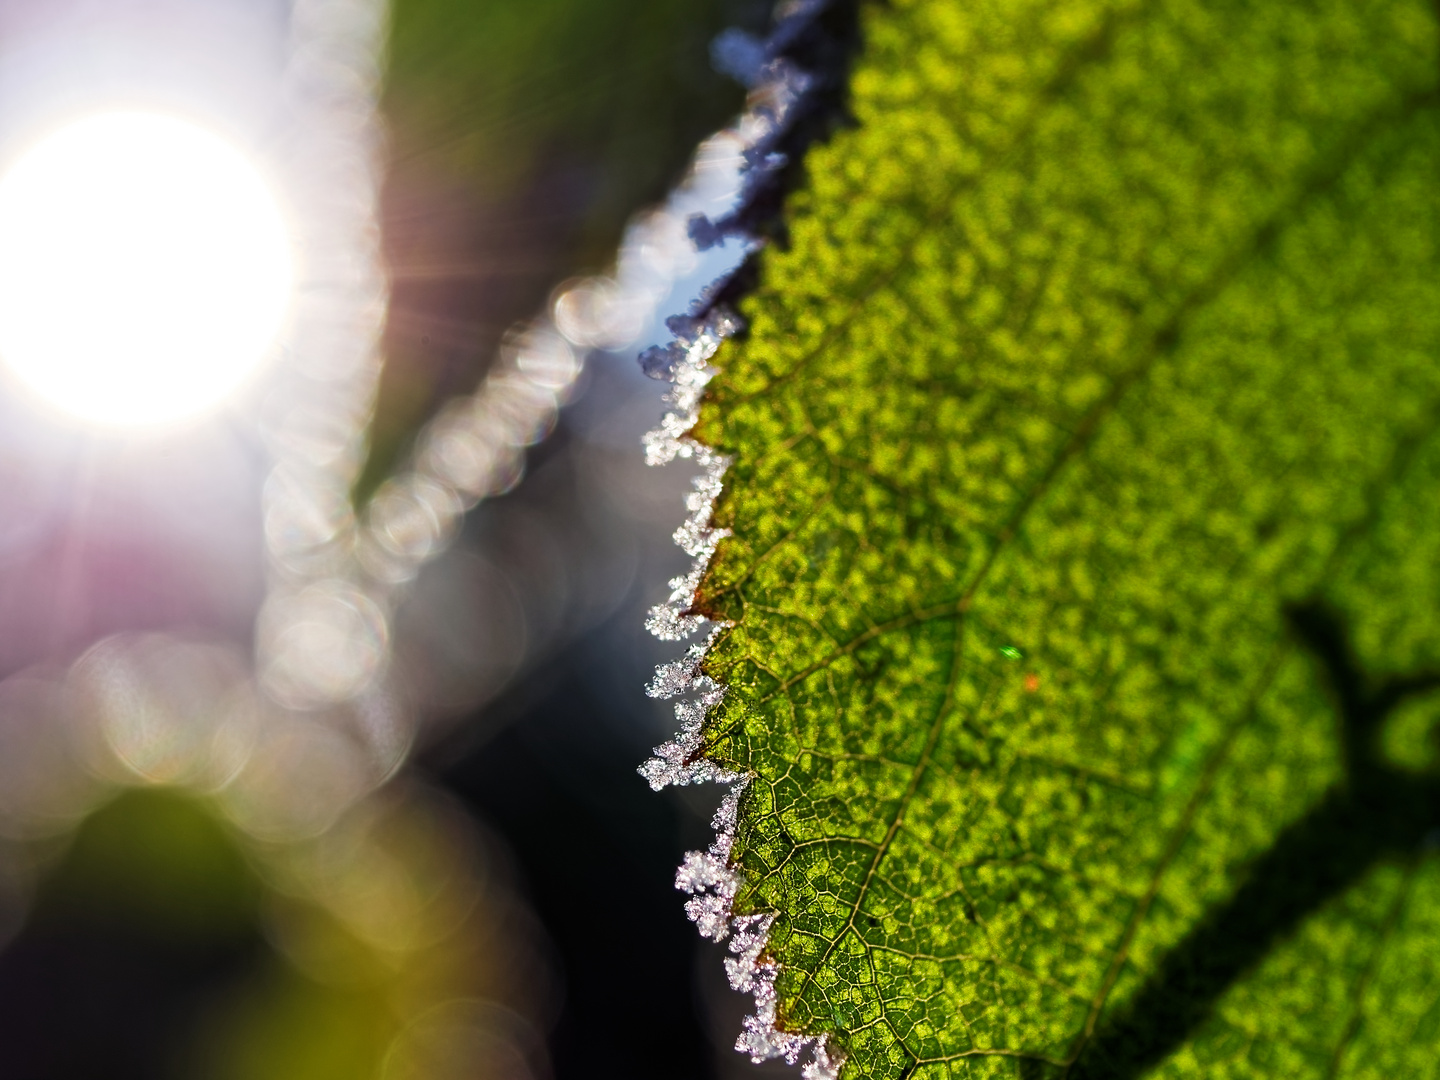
1378	812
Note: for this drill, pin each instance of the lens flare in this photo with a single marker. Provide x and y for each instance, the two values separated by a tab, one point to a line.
145	269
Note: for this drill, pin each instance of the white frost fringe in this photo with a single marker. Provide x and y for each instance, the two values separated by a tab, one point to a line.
708	876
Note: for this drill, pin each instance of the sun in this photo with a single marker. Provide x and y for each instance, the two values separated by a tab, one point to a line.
145	269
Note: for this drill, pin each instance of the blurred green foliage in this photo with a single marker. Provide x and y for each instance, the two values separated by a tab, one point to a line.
158	865
1085	567
523	135
206	955
158	878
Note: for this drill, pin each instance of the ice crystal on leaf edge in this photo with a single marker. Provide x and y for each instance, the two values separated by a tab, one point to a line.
778	91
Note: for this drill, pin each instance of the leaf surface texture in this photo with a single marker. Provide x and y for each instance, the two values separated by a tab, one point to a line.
1085	567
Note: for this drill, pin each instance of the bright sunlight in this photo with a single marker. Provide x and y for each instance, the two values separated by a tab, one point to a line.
145	269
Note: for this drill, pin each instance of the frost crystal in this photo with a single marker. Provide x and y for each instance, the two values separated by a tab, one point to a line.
679	762
777	88
673	620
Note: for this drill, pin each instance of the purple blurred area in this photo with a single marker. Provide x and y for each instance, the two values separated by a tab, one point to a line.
217	60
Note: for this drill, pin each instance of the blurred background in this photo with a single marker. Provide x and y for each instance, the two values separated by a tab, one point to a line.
414	844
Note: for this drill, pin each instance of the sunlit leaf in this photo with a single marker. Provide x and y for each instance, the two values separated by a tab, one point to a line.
1086	548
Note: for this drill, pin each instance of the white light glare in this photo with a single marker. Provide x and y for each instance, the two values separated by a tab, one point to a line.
144	269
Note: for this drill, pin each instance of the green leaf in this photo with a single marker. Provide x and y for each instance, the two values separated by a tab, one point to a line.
1085	513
